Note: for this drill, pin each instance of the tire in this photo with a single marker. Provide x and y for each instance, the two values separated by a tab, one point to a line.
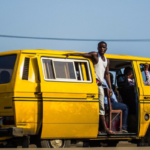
145	141
142	143
110	143
9	144
1	146
94	143
55	143
36	140
45	144
26	142
86	144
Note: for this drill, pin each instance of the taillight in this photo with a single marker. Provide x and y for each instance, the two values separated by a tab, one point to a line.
9	120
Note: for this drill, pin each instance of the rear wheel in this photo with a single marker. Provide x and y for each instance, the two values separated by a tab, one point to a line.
94	143
112	143
109	143
26	142
55	143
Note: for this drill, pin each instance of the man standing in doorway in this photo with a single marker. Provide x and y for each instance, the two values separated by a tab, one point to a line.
101	65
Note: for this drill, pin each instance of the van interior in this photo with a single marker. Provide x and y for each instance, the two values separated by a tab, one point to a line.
125	94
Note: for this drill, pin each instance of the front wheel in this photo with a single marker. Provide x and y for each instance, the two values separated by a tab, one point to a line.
57	143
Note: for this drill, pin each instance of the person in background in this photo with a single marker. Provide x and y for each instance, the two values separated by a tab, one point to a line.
116	105
129	73
101	66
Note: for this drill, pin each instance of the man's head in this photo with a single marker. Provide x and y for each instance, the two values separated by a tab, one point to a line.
102	47
129	72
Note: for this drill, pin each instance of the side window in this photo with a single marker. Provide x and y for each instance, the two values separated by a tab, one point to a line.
48	68
66	70
6	68
82	71
145	74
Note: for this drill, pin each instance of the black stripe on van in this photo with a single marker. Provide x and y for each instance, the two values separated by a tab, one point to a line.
51	98
7	107
54	101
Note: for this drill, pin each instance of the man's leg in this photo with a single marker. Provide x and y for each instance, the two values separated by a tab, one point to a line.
124	109
103	123
102	110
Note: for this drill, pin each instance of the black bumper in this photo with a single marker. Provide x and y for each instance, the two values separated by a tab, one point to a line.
14	131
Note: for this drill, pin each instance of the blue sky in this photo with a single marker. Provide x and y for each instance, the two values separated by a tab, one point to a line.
87	19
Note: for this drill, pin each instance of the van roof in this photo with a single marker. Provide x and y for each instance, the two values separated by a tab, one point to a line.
55	52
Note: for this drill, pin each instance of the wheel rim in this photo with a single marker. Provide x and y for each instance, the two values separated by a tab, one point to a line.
56	143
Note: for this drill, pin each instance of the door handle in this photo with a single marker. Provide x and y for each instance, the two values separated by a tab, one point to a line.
146	97
90	95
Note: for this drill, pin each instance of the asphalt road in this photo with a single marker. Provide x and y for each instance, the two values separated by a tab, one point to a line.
79	148
122	144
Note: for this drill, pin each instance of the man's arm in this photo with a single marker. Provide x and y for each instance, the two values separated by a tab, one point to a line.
107	76
92	55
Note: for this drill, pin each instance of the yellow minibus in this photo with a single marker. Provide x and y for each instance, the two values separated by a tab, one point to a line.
51	101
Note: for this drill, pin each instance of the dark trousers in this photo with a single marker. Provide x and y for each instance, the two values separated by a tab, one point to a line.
124	108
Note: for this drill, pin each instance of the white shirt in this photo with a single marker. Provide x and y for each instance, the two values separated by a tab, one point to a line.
100	68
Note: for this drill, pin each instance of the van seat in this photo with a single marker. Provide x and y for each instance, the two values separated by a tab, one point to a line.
122	81
127	93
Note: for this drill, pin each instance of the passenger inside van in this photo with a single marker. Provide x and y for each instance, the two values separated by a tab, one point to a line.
129	73
127	90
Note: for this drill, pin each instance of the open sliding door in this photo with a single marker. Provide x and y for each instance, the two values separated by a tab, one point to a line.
70	98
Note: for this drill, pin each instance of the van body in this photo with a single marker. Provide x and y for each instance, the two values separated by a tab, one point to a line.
45	95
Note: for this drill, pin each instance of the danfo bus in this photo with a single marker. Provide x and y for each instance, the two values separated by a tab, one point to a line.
52	101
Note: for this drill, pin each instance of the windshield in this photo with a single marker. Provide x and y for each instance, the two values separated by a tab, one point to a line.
6	68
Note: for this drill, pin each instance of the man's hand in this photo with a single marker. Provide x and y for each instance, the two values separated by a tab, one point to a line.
98	82
67	55
110	93
131	76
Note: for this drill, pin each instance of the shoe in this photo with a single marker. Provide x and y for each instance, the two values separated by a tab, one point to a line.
124	131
